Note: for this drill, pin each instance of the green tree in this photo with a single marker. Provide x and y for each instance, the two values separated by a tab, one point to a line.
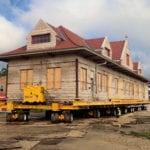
3	72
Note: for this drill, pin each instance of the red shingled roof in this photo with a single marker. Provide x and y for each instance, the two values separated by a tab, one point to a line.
95	43
14	52
72	37
135	65
117	48
68	39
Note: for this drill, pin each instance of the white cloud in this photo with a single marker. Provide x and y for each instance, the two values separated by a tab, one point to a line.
11	36
89	18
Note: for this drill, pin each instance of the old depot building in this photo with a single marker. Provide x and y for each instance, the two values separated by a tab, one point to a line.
71	67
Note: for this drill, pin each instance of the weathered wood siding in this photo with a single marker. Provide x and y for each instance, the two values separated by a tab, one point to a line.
40	66
135	90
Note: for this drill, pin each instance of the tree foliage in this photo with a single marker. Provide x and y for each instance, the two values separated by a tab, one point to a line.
3	72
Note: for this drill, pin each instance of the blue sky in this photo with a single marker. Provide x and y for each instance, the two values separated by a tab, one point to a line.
88	18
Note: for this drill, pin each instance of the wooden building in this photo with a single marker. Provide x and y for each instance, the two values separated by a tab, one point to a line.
71	67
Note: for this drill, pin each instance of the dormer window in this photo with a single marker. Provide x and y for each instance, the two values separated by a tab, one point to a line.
127	59
140	71
42	38
106	52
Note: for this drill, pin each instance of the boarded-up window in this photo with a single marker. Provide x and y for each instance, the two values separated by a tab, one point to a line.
26	77
137	89
132	89
99	82
142	90
124	87
115	85
83	79
105	83
54	78
127	88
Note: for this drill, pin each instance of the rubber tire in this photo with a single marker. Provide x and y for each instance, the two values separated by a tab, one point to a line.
9	117
124	111
68	117
47	114
21	117
97	114
54	117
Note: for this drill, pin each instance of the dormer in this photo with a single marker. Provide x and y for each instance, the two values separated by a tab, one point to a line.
121	53
101	46
137	67
42	37
106	48
126	56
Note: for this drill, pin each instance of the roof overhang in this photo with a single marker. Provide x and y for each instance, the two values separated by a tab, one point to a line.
82	51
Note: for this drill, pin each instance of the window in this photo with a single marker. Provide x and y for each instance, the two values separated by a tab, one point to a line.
138	90
127	59
115	85
40	38
124	87
26	77
142	91
105	83
99	82
140	71
54	78
106	52
132	89
83	79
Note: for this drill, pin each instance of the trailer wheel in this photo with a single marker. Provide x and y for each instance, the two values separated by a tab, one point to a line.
97	114
21	117
68	117
114	112
125	110
26	117
133	109
9	117
54	117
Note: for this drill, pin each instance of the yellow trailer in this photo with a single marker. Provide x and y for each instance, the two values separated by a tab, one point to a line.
34	98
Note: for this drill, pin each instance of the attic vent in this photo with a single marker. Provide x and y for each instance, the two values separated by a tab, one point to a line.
42	38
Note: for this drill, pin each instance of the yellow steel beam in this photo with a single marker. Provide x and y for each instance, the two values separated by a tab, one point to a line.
75	106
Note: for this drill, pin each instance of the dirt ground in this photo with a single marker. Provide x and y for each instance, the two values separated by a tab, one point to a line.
83	134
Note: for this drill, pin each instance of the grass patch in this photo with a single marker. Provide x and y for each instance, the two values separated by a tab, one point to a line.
141	134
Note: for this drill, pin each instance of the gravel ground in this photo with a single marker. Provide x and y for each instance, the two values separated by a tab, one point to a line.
89	134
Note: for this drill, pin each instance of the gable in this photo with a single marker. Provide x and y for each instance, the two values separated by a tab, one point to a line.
106	48
126	56
41	37
137	67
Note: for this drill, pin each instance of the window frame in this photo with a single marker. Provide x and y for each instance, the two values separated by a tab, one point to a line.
99	82
53	84
41	38
116	85
105	83
127	59
28	81
83	78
